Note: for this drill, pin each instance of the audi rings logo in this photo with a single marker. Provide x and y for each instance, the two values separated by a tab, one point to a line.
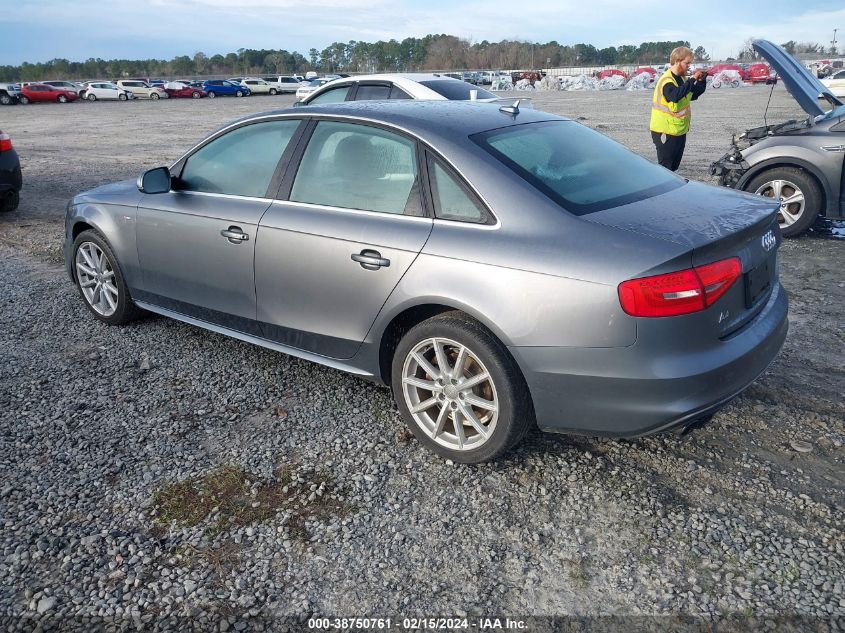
768	241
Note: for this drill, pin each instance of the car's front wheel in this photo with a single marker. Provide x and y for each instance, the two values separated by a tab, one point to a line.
100	280
155	96
459	390
800	197
91	97
5	99
121	97
195	95
239	94
62	99
211	94
273	91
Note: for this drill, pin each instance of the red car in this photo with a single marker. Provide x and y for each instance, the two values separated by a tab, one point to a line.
759	73
715	70
43	92
180	90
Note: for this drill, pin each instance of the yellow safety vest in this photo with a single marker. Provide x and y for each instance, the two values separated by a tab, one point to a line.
668	117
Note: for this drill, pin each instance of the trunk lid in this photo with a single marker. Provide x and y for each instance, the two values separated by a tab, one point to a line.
714	223
798	80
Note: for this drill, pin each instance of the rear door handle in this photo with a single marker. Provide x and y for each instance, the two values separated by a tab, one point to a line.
234	234
371	260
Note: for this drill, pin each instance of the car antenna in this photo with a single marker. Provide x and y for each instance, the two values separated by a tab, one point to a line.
512	109
766	112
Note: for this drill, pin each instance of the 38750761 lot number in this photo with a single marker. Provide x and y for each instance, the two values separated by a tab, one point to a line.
329	624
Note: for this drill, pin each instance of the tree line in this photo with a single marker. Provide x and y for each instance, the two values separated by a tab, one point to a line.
432	52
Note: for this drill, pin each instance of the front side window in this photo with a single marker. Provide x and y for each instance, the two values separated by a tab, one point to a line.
335	95
580	169
359	167
451	199
241	162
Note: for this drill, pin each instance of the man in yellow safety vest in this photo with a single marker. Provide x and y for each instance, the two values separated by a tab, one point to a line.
670	107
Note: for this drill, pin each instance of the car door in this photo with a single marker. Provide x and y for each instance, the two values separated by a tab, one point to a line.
196	243
349	223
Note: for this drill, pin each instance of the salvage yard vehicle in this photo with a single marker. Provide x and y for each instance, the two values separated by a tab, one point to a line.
141	89
799	163
10	175
181	90
95	90
835	83
71	86
9	94
495	266
392	86
259	86
284	83
222	87
36	93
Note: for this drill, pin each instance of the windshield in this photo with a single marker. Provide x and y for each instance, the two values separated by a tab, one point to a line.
456	90
580	169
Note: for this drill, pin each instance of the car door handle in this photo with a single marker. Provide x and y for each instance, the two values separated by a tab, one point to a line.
371	260
234	234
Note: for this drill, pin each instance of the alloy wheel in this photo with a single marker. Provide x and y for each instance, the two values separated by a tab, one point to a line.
450	394
96	279
792	202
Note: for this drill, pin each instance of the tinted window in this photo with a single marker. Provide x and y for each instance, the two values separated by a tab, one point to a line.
582	170
456	90
358	167
332	96
397	93
240	162
451	200
371	93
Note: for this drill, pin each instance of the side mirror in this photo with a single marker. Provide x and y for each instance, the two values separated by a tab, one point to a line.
155	181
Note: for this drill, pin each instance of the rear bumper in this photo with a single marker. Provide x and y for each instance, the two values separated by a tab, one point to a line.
631	391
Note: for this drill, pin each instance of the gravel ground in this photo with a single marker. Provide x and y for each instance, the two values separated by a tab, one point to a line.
159	476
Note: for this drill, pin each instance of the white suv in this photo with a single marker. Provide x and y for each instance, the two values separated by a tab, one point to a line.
259	86
283	83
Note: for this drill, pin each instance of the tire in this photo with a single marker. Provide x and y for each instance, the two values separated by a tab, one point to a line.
121	97
155	96
273	91
716	84
61	99
735	83
99	297
786	182
5	99
211	94
239	94
91	96
506	411
195	95
24	100
9	201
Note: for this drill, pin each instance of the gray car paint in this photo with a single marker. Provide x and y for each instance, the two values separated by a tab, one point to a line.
542	280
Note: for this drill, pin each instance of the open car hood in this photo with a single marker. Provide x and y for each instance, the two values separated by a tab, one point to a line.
801	84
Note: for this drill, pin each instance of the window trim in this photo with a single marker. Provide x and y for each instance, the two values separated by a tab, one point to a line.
488	219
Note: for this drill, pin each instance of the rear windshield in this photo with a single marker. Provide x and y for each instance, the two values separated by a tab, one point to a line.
455	90
580	169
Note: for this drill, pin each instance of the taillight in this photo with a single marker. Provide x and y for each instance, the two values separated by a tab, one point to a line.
5	142
681	292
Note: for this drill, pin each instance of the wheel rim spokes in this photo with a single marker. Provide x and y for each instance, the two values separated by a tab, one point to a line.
450	394
96	279
791	199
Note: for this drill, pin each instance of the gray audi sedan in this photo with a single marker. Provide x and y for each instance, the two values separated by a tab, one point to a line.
497	267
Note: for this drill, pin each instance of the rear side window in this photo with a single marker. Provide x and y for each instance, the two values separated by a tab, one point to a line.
241	162
372	93
359	167
397	93
452	201
580	169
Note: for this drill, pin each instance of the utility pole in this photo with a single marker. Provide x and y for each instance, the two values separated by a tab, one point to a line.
833	42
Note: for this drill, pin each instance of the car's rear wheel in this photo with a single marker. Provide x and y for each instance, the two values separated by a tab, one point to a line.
62	99
459	390
155	96
100	280
91	97
24	100
211	94
800	196
9	201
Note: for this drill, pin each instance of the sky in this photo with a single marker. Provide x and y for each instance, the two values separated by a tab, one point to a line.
41	30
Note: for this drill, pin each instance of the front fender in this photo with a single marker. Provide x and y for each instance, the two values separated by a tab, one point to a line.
116	223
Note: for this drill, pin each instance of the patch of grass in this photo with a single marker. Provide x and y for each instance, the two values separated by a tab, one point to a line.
579	572
240	498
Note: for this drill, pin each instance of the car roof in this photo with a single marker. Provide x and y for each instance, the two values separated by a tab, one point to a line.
427	119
